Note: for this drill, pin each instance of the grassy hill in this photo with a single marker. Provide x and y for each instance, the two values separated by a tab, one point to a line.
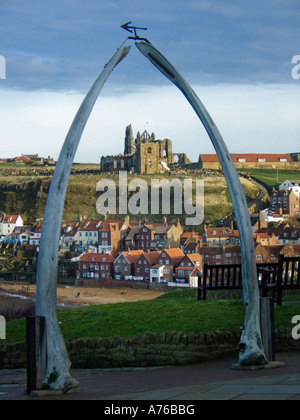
27	195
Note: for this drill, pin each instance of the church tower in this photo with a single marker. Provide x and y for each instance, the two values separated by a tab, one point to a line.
129	148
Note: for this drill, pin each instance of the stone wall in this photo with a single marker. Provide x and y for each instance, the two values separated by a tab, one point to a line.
149	349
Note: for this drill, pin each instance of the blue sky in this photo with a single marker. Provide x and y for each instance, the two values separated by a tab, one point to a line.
236	55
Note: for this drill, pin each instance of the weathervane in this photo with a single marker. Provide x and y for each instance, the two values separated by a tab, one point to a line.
129	29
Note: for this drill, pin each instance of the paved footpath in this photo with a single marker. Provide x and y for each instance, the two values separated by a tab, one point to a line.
213	380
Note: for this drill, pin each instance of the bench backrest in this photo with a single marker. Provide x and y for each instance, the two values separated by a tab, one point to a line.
288	272
228	276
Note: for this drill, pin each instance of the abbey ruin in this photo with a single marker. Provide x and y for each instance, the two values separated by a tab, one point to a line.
144	155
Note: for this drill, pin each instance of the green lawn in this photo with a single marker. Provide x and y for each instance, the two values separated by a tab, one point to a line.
176	310
272	177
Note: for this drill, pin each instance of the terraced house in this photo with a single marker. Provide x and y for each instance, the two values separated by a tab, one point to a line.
97	266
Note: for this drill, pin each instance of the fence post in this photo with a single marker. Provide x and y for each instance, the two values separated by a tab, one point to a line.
267	327
35	352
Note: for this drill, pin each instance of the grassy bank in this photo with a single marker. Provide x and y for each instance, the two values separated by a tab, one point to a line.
176	310
273	177
27	196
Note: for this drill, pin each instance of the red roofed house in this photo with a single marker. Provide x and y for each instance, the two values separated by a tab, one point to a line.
169	259
220	236
109	236
124	264
144	263
187	271
96	266
8	223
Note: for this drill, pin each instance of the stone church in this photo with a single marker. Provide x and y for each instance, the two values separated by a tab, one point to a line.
143	155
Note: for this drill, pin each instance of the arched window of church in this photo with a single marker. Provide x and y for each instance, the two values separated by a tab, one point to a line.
122	164
115	164
164	153
149	150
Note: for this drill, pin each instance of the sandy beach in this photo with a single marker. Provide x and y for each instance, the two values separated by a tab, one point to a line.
88	295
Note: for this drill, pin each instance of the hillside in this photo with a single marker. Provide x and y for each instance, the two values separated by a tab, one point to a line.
27	194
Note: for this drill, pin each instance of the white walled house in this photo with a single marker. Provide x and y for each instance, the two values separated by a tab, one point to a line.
8	223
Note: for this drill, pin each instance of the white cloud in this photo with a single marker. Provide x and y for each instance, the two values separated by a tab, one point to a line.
250	118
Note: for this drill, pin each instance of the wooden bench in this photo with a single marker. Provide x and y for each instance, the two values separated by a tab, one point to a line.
227	277
285	277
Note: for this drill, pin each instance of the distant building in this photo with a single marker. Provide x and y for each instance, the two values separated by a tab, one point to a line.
33	160
285	202
8	223
247	160
97	266
143	155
